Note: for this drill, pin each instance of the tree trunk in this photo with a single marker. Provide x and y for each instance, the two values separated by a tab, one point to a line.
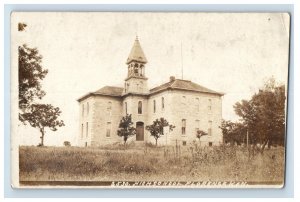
42	137
156	142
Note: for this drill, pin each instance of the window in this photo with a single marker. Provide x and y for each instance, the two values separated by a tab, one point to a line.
108	129
81	131
210	128
210	144
82	109
87	129
142	72
126	108
140	107
136	69
87	108
154	106
209	104
183	127
162	103
197	105
184	143
197	123
109	107
183	100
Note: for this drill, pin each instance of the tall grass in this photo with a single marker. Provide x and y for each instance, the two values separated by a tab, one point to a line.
190	163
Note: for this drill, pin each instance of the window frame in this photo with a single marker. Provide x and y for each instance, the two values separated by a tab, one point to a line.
197	123
87	108
82	130
183	126
209	130
87	129
140	107
108	129
209	105
197	104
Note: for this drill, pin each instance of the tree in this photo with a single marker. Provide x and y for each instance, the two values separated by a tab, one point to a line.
126	128
21	26
157	128
264	115
67	144
233	132
43	116
201	133
30	75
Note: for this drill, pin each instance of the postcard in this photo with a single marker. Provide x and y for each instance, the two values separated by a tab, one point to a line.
149	99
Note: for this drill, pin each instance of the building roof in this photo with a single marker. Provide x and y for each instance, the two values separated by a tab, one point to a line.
106	91
136	53
109	90
175	84
178	84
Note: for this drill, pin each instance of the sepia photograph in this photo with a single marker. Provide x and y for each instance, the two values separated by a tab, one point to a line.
149	99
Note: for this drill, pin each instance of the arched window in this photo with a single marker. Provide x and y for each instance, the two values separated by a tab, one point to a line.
140	107
136	69
162	103
154	106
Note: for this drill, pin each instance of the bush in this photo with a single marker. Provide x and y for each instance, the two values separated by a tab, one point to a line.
67	143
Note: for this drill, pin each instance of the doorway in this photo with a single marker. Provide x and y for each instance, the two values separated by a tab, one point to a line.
139	131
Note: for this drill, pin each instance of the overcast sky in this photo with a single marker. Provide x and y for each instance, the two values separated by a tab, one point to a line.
230	53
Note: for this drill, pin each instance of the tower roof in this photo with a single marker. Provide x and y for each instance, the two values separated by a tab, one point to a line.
136	53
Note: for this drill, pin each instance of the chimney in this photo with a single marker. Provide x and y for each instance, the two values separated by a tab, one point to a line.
172	78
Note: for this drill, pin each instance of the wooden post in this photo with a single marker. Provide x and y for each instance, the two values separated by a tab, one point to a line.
247	139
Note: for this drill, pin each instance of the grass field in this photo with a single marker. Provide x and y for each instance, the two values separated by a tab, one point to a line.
143	163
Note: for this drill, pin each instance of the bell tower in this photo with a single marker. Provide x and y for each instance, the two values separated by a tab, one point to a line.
136	81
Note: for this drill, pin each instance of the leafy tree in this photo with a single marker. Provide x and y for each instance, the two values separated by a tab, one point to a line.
264	115
43	116
126	128
233	132
67	143
201	133
30	75
157	128
21	26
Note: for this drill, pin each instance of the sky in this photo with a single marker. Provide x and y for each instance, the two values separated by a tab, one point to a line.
233	53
